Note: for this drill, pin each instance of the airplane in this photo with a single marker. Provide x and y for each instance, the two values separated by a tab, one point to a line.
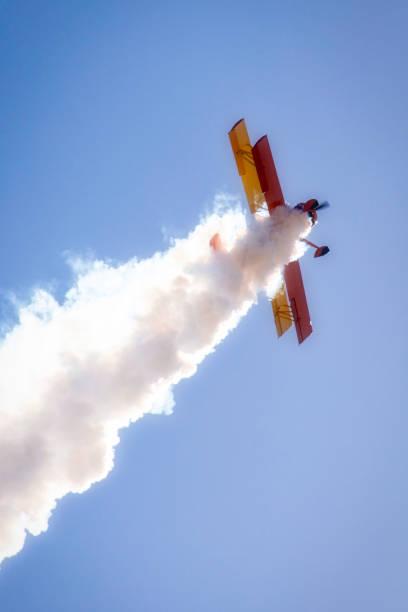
261	184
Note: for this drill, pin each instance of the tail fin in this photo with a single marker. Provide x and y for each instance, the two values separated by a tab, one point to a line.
216	243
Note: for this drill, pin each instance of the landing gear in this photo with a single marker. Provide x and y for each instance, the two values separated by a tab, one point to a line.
320	251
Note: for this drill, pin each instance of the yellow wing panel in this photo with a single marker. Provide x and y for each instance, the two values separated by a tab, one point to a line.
242	150
281	311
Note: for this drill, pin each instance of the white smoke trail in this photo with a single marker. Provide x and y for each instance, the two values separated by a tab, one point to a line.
73	374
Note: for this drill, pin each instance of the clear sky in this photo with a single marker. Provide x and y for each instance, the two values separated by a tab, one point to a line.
279	483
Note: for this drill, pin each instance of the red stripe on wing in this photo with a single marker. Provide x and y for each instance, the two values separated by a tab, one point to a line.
268	177
297	300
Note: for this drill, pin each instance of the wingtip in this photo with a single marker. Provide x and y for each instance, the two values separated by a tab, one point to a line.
235	124
265	136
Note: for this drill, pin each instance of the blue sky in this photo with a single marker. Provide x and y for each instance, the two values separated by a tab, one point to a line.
279	481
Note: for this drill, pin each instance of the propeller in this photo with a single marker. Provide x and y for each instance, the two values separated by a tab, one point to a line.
321	206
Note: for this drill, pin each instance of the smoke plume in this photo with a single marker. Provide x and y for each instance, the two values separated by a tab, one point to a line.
73	374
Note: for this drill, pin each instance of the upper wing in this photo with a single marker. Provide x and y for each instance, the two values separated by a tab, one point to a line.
267	174
242	150
297	299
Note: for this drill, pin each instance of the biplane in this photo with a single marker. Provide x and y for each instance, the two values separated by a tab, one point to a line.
261	184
